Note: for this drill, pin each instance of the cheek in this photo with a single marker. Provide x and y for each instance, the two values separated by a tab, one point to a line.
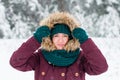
65	40
55	40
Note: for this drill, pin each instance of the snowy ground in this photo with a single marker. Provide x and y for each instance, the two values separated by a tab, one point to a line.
109	47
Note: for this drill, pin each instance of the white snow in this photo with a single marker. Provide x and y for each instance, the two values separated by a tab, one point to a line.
109	46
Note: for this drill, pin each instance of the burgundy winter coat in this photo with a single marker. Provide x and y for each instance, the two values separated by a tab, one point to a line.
90	61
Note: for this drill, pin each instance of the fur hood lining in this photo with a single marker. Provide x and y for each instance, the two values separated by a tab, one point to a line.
64	18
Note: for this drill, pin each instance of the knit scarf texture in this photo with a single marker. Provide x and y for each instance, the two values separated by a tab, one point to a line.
61	57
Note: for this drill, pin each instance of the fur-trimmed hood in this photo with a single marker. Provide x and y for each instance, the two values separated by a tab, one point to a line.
64	18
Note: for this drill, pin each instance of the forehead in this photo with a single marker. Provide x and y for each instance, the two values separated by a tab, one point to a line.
61	34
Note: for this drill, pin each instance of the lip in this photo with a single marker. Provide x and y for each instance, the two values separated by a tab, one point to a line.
60	45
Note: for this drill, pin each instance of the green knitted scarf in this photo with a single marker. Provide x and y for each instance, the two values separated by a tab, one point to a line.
61	57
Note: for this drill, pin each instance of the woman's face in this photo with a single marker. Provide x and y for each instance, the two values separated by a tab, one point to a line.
60	40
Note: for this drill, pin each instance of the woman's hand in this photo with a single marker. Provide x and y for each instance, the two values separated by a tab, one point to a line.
41	32
80	34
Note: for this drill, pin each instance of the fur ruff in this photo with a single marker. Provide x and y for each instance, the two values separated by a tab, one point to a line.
60	17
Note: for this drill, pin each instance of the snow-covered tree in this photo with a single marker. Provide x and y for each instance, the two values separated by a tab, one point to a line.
20	18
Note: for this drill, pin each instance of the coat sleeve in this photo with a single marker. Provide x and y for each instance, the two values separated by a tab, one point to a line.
24	59
93	61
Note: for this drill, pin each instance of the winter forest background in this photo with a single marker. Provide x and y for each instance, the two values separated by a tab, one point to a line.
20	18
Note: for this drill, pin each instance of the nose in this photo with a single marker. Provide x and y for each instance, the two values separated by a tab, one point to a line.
60	40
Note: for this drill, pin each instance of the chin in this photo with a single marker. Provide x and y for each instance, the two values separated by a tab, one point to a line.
59	48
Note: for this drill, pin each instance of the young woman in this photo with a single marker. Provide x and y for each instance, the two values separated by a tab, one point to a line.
59	50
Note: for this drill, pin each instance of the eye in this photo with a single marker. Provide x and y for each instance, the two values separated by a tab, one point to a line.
55	35
65	35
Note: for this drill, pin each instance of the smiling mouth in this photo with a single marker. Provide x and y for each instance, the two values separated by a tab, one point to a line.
61	45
